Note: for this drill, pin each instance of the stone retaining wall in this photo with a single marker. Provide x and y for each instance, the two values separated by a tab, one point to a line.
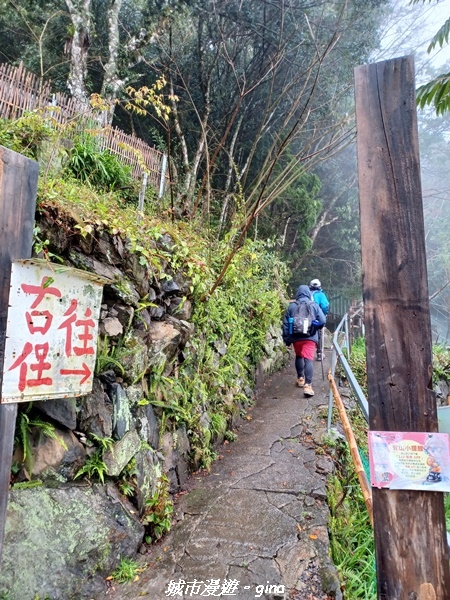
64	536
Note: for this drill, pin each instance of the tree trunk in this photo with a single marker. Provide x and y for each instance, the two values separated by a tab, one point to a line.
80	15
324	220
111	81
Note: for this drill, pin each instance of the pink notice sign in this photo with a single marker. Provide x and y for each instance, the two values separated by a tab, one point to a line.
409	460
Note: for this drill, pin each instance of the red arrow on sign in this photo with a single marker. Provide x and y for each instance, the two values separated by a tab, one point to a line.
84	371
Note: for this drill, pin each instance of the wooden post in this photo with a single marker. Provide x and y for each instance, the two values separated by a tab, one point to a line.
410	534
142	196
18	183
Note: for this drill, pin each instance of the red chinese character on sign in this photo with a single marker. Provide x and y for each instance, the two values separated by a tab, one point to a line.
41	352
84	324
39	321
40	290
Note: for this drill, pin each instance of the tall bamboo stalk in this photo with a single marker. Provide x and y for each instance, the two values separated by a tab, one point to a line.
367	492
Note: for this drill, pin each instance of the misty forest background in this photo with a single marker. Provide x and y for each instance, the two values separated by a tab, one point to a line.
253	102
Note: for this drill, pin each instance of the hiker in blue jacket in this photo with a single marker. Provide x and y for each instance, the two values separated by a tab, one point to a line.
304	345
321	299
319	295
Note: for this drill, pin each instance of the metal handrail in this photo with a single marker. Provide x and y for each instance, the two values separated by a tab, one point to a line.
339	355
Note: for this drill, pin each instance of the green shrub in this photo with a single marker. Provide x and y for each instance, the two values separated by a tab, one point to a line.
357	360
158	511
99	168
441	363
26	134
127	570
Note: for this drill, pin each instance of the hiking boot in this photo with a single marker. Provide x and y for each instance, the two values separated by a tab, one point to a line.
300	381
307	390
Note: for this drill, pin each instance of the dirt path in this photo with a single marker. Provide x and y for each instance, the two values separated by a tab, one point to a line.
256	526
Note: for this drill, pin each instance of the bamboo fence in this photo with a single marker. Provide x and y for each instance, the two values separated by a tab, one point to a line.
22	91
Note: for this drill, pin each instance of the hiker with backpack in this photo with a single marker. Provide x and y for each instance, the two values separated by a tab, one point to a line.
321	299
301	324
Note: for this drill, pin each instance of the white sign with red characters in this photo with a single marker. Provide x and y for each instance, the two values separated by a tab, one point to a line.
51	333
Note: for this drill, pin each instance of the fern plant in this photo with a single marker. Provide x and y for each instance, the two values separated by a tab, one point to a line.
105	443
106	356
127	483
26	428
94	467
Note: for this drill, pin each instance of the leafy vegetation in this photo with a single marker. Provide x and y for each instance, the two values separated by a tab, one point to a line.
441	363
99	168
437	91
357	362
30	426
351	536
26	134
237	317
95	467
7	596
158	511
126	571
106	356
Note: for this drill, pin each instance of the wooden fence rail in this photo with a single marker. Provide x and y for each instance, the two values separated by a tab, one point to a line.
22	91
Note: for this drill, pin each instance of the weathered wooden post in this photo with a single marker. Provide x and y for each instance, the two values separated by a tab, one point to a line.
18	184
410	535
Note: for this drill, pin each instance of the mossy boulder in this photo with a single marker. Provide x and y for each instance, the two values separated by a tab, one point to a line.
132	354
76	536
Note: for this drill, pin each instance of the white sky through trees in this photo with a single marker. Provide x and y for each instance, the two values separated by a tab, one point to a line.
409	31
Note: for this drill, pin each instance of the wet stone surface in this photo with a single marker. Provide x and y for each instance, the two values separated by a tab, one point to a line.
256	525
